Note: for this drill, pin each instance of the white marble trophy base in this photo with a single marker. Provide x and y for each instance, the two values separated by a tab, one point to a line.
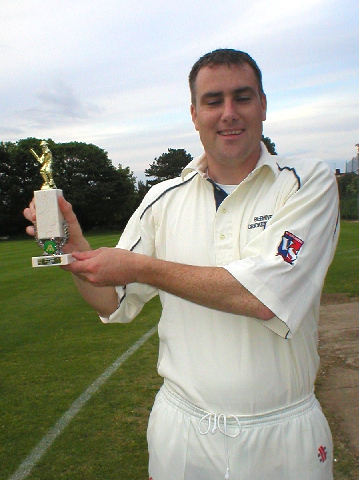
48	215
49	225
52	260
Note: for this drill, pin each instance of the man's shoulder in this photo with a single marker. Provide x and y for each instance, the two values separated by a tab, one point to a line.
299	162
162	187
304	167
160	190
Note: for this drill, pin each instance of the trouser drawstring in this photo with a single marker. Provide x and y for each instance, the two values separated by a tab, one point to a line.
214	421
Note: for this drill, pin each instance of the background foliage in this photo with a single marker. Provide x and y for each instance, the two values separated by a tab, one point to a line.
349	196
168	165
102	196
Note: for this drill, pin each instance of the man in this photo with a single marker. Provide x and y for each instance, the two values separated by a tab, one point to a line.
237	249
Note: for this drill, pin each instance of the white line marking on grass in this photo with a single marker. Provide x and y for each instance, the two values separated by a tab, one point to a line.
349	251
48	439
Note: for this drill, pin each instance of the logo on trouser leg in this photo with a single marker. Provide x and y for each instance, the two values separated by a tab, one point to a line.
322	453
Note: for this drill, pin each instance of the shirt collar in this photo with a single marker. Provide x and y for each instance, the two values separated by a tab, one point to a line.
200	164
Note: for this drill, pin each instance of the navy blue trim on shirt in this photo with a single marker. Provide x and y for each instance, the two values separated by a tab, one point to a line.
164	193
337	223
135	245
219	193
156	200
291	169
123	296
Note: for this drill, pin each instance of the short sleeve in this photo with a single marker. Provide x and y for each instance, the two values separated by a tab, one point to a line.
284	266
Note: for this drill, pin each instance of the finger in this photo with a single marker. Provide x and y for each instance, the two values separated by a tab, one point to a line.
79	274
30	230
32	207
30	211
77	268
28	215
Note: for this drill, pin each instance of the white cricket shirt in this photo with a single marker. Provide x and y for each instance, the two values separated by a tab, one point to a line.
276	233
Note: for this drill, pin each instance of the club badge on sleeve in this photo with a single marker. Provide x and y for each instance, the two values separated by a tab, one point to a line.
289	247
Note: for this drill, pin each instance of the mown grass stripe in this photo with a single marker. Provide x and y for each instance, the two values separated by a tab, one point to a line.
45	443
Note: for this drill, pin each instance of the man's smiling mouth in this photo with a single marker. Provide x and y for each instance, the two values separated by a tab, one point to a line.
226	133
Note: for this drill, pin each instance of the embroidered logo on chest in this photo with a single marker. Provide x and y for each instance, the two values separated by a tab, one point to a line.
259	221
289	247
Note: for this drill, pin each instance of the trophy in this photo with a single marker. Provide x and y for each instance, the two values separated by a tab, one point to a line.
51	229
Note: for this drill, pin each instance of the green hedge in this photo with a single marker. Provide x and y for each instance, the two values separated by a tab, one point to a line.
349	196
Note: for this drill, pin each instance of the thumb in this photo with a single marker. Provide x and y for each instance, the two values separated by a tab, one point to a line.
84	255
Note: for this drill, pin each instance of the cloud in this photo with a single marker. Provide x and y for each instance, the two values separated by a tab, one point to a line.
61	103
49	109
323	113
115	73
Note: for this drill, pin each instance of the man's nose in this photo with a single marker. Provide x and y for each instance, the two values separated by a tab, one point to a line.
230	111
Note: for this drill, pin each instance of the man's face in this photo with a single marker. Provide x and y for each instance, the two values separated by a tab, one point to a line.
228	115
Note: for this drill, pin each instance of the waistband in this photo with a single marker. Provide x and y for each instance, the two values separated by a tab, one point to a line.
231	425
244	421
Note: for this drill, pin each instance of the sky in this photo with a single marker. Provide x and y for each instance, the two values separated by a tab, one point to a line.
114	73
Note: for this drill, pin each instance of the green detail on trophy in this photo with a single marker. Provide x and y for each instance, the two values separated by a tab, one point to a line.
50	247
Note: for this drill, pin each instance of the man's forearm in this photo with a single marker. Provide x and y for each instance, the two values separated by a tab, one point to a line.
213	287
103	299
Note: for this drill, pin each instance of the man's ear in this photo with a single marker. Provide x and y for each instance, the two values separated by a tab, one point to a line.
264	106
194	116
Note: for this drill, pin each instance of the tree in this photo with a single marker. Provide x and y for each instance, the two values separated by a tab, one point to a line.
102	196
168	165
19	177
142	189
269	144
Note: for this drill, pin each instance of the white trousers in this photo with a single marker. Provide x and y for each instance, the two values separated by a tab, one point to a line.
187	443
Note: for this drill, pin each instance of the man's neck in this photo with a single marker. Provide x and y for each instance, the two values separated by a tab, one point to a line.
227	175
231	172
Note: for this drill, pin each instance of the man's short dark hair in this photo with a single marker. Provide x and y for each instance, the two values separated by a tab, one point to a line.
223	56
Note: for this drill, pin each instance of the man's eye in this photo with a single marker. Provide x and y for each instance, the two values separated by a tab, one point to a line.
213	103
243	99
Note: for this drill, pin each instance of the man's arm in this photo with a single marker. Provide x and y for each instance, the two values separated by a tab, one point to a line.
103	299
98	272
212	287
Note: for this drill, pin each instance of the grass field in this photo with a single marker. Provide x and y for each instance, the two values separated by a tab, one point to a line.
343	275
53	347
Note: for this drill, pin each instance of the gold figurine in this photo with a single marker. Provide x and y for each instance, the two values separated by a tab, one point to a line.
46	165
